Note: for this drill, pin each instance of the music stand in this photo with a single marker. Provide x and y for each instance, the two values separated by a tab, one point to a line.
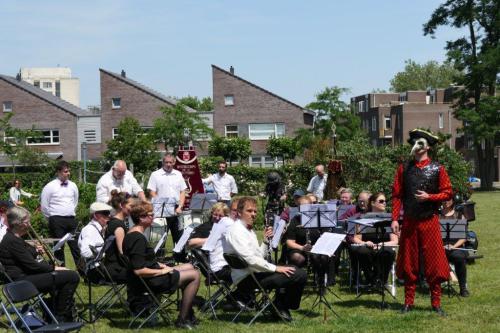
320	216
202	202
453	229
377	225
162	208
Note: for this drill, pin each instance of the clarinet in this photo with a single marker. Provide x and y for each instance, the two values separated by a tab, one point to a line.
268	218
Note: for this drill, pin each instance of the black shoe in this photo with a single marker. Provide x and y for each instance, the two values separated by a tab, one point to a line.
406	308
464	292
192	319
439	311
284	313
184	324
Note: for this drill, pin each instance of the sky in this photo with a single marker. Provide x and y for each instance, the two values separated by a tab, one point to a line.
290	47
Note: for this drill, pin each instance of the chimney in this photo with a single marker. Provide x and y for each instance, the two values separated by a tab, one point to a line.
123	74
231	70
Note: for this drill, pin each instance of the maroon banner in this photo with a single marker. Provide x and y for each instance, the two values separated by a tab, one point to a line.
187	163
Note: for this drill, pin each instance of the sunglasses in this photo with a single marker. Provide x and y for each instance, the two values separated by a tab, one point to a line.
381	201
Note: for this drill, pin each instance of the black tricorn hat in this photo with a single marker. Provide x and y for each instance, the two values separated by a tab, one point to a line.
418	133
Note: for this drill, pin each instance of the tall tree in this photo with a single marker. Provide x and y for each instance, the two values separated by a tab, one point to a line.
230	149
284	147
176	126
205	104
14	144
332	113
422	76
478	55
133	145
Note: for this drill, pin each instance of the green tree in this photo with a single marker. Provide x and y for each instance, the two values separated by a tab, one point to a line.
176	126
332	113
193	102
230	149
477	55
284	147
422	76
133	145
14	145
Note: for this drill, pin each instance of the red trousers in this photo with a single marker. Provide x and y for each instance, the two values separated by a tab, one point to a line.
421	240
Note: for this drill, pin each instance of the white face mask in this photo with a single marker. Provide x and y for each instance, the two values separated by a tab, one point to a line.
419	144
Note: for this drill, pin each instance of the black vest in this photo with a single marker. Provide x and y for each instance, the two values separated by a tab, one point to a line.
425	179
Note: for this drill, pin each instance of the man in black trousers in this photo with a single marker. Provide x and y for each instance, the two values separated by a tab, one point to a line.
59	200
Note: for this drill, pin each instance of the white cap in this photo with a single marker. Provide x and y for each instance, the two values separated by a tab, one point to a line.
100	207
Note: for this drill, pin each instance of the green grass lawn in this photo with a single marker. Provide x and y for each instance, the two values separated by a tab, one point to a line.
478	313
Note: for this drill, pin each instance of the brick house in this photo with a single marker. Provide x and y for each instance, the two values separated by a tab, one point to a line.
388	117
63	126
241	108
123	97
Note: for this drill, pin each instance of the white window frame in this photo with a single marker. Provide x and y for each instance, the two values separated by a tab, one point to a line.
47	85
228	100
5	108
114	131
263	133
114	105
374	123
441	121
263	161
230	134
51	137
387	118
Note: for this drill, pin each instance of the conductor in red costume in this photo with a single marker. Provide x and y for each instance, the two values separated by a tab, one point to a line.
420	185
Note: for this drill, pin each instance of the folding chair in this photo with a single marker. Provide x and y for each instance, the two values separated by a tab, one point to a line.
263	300
160	304
25	292
223	290
115	291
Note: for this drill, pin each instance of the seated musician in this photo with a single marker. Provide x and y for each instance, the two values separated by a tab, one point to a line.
455	255
285	215
199	236
361	206
91	239
299	242
20	262
158	276
118	227
370	252
240	238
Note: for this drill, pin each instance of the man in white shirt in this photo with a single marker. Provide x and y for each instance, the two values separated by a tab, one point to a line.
58	202
318	183
223	183
240	238
168	183
92	236
120	179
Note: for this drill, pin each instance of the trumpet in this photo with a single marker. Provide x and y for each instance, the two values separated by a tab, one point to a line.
46	249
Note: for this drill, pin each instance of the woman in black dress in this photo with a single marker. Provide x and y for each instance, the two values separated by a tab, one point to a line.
117	226
159	277
20	262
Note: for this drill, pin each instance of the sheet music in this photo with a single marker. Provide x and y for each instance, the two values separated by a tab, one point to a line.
318	215
278	231
183	240
328	243
61	242
218	231
163	207
161	242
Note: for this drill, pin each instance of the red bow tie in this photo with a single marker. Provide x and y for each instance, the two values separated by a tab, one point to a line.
249	227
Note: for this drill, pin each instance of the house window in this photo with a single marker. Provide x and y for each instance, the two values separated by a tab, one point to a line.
402	97
361	107
47	85
231	131
58	88
441	121
265	131
114	133
7	106
47	137
374	124
387	122
36	84
265	161
228	100
116	103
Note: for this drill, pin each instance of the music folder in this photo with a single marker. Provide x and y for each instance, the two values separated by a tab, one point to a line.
183	240
328	243
62	241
